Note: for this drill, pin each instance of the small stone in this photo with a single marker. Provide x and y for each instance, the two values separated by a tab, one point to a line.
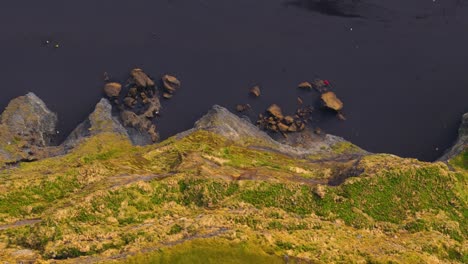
288	120
318	131
171	83
242	107
106	77
299	100
153	133
167	95
154	106
292	128
301	126
305	85
341	116
320	85
282	127
133	92
255	91
129	101
112	89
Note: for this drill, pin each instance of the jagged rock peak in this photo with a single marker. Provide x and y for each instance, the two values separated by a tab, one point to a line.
99	121
27	128
28	116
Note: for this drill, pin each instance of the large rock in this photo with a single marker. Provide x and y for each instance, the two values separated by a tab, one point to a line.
462	141
331	101
27	128
255	91
99	121
141	79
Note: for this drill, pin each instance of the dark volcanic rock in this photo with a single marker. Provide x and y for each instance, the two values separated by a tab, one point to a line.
462	141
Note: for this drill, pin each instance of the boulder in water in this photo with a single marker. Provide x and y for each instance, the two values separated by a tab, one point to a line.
141	79
112	89
305	86
171	83
331	101
275	111
255	91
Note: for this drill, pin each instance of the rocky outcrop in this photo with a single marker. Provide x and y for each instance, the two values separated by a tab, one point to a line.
100	121
462	141
138	128
27	128
222	122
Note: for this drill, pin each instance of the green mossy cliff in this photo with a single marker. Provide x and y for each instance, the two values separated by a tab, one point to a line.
225	192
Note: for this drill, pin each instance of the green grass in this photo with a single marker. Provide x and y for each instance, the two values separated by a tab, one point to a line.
33	199
461	161
72	196
207	251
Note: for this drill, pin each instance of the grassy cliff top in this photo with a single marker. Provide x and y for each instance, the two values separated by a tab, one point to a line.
202	197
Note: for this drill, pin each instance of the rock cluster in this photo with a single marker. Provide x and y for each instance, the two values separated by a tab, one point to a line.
139	106
275	121
328	98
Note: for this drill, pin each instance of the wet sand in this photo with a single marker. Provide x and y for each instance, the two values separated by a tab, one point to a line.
399	67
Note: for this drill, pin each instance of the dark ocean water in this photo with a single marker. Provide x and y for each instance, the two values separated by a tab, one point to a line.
399	66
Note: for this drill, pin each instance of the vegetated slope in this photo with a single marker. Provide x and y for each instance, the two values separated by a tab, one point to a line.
207	195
